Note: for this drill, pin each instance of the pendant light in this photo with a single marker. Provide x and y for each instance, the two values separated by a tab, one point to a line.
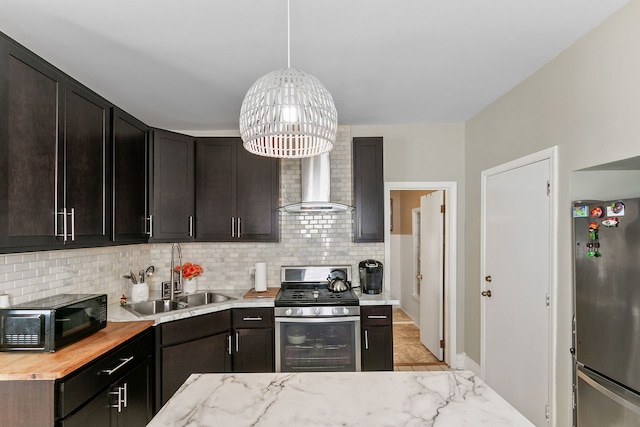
288	113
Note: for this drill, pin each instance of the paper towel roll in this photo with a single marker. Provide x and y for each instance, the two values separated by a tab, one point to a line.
261	277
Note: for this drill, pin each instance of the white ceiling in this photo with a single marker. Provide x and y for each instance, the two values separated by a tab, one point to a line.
186	64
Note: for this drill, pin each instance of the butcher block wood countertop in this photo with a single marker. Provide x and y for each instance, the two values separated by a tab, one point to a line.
26	365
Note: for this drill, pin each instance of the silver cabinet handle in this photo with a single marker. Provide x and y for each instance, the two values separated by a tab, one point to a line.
366	339
118	404
150	220
233	226
63	234
123	362
376	317
73	224
359	227
126	397
237	341
229	344
248	319
190	225
239	227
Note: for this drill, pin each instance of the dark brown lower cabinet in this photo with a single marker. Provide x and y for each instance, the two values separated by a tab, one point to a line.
377	338
253	337
199	344
122	385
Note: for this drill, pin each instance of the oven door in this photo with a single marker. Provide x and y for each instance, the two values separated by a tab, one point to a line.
318	344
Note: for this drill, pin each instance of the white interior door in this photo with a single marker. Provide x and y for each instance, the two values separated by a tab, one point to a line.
516	285
432	271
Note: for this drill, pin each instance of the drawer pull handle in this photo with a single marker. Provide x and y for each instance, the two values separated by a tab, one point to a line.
123	362
249	319
376	317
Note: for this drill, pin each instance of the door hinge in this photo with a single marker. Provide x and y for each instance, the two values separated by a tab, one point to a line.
441	343
548	300
546	412
442	209
548	188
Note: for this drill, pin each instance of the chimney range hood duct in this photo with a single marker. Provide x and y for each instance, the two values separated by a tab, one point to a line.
316	188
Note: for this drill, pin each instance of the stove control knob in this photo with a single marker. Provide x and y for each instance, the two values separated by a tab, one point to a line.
299	312
317	310
345	311
334	311
288	312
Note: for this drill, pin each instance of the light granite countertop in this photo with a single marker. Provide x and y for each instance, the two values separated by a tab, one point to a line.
116	313
440	399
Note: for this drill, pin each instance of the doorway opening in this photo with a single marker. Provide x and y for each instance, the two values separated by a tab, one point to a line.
402	255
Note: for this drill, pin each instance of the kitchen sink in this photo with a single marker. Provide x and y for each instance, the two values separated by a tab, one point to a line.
146	308
158	306
203	298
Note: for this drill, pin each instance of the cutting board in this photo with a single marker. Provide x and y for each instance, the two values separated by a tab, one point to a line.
269	293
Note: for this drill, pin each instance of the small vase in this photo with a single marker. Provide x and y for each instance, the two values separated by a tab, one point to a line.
190	285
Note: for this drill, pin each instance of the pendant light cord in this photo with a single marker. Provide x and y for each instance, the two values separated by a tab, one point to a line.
288	34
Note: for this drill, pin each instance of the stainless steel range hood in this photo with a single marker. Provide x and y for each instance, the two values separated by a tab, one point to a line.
316	188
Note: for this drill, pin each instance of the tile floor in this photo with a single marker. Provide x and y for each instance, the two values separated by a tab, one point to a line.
409	353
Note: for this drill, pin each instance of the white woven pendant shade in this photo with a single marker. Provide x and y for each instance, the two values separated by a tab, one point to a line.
288	114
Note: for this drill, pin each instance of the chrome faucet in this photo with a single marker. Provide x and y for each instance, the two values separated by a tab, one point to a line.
175	291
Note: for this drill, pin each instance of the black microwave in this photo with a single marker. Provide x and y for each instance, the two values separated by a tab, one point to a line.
50	323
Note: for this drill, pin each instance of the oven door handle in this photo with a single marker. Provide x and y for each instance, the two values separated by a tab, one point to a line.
332	319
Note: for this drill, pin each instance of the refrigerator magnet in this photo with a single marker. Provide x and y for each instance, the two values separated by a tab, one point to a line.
611	222
580	211
615	209
597	212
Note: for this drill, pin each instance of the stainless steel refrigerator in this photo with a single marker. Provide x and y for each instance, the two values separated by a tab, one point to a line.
607	312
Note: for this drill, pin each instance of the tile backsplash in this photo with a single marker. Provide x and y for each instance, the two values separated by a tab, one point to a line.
304	239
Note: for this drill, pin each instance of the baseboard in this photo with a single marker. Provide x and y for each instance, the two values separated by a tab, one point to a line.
465	362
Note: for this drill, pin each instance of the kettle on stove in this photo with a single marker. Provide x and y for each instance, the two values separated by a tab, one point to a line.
370	276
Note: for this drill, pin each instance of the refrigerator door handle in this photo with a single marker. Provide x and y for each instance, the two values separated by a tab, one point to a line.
596	383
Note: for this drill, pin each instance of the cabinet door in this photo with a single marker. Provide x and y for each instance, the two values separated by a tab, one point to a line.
216	171
31	124
253	350
258	197
368	190
137	409
86	188
130	178
173	187
377	348
95	413
210	354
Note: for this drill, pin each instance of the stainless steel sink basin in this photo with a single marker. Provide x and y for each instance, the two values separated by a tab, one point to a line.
158	306
146	308
203	298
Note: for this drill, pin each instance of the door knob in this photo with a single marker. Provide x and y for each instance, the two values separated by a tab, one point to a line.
486	293
487	278
419	277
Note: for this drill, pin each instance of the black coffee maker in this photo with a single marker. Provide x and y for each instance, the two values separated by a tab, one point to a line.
370	276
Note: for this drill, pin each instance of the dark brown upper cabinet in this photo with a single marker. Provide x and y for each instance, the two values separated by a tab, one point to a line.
368	190
54	156
84	190
237	193
130	168
173	212
31	135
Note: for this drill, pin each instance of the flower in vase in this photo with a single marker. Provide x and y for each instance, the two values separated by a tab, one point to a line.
189	270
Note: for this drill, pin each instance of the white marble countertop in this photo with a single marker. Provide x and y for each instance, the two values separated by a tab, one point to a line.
116	313
439	399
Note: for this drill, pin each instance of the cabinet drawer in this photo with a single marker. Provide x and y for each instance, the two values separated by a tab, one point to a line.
77	388
376	315
193	328
252	318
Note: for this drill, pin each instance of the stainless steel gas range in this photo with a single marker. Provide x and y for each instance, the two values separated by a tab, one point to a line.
317	329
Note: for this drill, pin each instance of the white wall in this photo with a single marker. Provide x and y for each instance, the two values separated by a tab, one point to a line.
585	101
428	153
